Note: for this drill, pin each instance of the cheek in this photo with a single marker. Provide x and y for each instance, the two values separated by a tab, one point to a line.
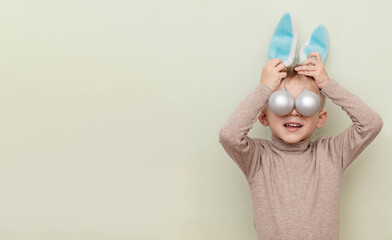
275	121
313	121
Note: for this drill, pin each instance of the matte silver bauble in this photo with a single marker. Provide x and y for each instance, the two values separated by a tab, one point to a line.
281	102
307	103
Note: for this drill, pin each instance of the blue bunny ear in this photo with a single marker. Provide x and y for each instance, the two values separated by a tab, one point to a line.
317	42
284	40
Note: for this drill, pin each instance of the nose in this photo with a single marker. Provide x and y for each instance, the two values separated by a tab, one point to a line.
294	112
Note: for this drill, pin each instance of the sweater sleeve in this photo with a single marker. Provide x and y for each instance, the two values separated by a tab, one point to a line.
366	124
233	135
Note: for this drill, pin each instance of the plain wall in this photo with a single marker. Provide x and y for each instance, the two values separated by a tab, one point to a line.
111	110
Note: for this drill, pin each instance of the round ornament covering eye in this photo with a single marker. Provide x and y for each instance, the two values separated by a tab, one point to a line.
281	102
307	103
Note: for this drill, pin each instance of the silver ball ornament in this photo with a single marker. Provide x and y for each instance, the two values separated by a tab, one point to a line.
281	102
307	103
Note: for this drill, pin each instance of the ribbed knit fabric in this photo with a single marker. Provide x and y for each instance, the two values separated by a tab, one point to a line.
295	188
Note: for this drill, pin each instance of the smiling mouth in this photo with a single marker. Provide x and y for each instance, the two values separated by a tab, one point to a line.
292	125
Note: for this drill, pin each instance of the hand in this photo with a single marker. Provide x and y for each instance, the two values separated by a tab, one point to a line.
273	73
314	68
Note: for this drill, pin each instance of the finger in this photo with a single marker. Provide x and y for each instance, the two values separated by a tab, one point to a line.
281	67
283	75
316	55
276	61
307	73
305	68
310	61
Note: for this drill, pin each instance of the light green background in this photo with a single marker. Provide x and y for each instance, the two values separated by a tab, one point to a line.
111	110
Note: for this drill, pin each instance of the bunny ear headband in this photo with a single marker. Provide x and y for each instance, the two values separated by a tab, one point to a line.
283	46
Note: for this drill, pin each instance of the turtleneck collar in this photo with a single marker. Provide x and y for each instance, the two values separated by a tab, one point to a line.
288	147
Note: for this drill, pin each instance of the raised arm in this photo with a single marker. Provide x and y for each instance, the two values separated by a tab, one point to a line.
366	124
346	146
234	134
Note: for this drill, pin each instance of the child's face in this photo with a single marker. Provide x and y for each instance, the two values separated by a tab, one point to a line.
277	123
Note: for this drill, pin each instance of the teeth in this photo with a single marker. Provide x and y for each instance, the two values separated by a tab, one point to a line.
292	125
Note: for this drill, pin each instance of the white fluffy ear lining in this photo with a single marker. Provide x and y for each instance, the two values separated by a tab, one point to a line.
291	57
284	40
317	42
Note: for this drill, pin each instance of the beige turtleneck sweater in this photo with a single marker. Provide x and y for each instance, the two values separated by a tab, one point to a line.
295	188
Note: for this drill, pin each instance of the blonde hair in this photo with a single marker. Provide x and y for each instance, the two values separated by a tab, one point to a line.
291	74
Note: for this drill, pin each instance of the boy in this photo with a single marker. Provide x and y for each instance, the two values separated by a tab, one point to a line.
294	182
